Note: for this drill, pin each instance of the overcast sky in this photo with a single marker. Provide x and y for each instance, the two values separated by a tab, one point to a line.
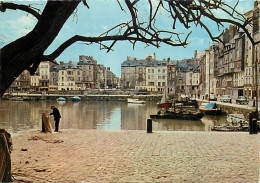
102	15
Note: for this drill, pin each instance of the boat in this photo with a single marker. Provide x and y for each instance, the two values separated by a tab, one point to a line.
135	101
230	128
186	102
210	108
61	99
236	119
164	100
236	122
16	99
178	115
76	99
165	104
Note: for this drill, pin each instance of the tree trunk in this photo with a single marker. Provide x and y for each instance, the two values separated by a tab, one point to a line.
27	52
5	158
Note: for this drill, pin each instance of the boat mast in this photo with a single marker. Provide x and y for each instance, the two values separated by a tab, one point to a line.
256	86
209	74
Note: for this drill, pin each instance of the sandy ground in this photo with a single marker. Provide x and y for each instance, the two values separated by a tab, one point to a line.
135	156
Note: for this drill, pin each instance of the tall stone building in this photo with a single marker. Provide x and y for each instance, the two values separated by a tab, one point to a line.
89	71
171	76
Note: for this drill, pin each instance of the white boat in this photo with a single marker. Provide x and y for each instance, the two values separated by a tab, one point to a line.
61	99
135	101
236	119
76	98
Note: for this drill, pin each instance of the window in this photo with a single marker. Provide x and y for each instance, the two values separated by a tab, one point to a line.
159	70
148	70
159	83
163	71
163	83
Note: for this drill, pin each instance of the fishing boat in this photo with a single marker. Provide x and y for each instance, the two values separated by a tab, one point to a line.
135	101
210	108
61	99
237	119
236	122
16	99
164	100
178	115
76	99
230	128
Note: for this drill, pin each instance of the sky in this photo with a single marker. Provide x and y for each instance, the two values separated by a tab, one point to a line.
100	17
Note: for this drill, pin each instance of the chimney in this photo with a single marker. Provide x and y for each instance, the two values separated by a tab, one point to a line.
154	56
168	60
61	63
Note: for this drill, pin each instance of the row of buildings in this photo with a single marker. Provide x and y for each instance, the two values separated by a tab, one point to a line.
83	75
223	69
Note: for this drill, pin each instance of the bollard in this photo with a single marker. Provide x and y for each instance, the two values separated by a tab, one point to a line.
149	126
254	123
43	127
251	116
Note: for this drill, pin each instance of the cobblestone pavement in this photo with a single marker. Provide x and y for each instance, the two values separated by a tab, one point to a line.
135	156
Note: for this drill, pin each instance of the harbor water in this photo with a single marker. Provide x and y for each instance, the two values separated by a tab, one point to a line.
17	116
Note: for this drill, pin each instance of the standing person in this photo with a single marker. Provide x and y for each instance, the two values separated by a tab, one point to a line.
57	116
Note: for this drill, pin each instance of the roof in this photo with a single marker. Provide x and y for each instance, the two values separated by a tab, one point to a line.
64	66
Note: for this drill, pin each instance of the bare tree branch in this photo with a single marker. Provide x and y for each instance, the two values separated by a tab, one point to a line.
13	6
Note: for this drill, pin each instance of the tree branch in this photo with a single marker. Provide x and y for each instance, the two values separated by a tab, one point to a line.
77	38
13	6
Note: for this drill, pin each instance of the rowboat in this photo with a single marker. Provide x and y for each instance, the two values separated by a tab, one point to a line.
135	101
76	99
61	99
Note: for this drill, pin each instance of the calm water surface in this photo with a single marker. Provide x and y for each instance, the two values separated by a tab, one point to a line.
17	116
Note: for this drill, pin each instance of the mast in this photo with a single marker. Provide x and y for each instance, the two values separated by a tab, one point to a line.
256	87
209	74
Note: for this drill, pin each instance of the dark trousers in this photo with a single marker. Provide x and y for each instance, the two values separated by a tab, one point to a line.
57	121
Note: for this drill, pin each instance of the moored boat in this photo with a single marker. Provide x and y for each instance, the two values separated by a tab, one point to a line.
165	103
178	115
210	109
230	128
76	99
135	101
61	99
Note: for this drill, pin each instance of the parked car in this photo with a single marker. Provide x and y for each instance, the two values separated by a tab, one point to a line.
225	98
212	97
241	100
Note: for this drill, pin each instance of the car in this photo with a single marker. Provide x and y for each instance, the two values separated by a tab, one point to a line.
225	98
212	97
241	100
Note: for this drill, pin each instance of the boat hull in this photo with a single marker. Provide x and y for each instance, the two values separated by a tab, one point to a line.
61	99
172	115
169	105
211	111
75	99
135	101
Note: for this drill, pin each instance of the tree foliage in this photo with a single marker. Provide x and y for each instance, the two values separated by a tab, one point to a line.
28	51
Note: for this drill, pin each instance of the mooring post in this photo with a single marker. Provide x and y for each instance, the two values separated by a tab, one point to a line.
253	128
149	126
254	123
43	128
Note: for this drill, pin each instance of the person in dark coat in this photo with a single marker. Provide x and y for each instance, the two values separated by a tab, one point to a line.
57	116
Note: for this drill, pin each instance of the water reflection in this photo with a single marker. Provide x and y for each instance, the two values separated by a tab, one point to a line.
113	115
